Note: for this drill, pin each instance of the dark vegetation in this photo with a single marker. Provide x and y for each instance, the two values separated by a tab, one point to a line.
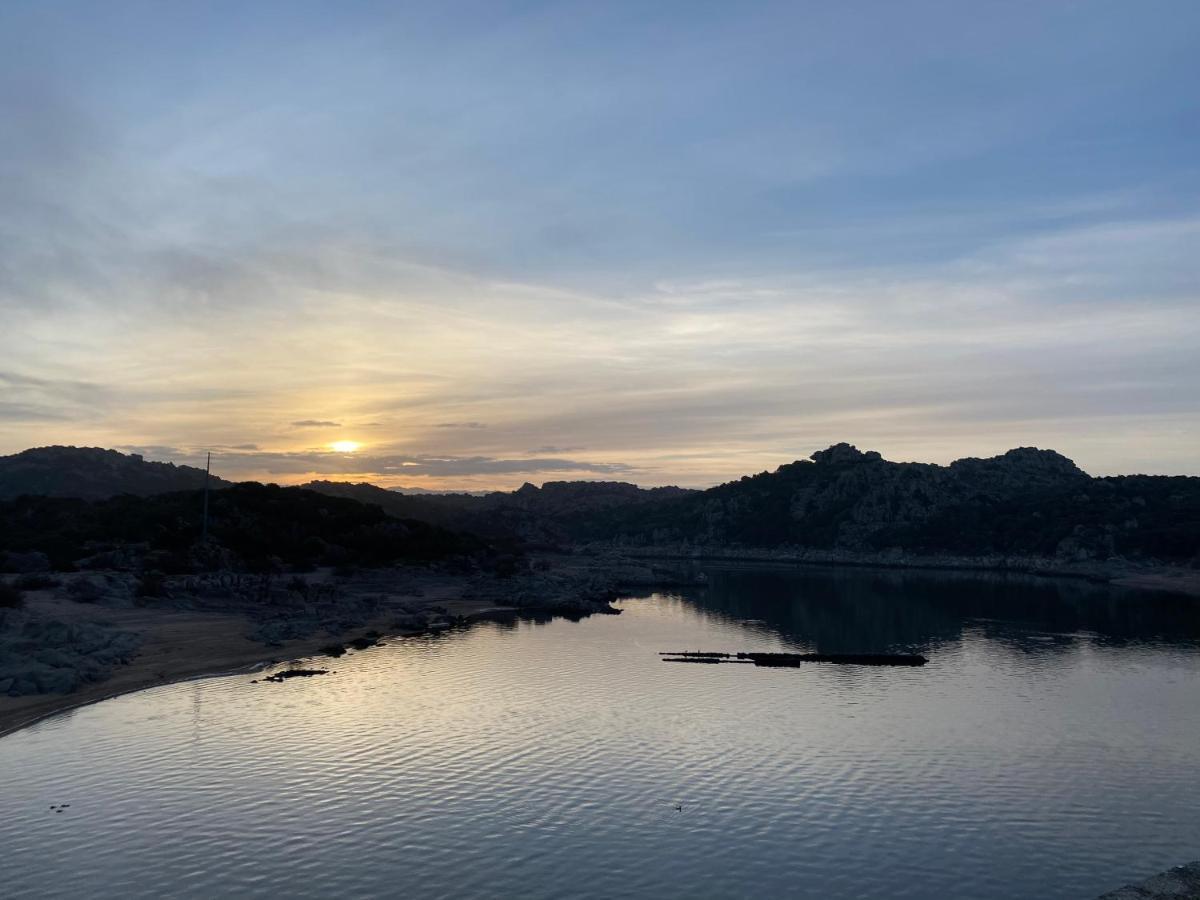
1025	502
1132	516
36	581
558	512
251	527
11	596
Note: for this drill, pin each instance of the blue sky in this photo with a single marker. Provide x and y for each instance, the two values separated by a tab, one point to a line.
662	242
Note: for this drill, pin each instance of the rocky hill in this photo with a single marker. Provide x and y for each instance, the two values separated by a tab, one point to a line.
556	512
93	473
1027	501
1024	502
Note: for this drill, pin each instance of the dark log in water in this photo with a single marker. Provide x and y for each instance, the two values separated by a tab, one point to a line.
797	659
846	659
295	673
701	659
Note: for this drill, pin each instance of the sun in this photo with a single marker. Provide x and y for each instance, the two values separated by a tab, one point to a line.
344	446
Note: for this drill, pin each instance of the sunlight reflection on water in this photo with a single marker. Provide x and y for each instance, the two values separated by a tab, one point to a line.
1050	748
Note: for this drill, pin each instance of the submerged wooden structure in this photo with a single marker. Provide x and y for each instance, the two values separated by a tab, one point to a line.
792	660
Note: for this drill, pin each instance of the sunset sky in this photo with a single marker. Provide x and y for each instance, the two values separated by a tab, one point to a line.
491	243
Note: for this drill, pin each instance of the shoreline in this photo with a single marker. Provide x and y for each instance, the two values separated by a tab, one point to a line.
203	638
187	645
137	675
7	728
1147	577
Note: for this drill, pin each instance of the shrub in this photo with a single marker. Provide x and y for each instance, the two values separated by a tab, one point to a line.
31	561
151	584
11	597
84	590
36	581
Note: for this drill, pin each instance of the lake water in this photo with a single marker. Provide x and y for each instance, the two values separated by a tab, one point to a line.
1050	748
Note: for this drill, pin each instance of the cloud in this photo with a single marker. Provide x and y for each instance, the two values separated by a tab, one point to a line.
385	468
695	270
20	412
34	399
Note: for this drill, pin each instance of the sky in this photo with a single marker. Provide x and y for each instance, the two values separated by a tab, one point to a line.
667	243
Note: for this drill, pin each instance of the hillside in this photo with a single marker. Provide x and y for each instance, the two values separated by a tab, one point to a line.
557	512
1024	502
250	526
1027	501
92	473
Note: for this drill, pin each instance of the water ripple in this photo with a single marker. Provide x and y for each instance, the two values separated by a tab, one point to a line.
546	760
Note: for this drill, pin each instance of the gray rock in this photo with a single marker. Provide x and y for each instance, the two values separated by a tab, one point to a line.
840	454
48	656
1180	883
33	561
55	658
57	681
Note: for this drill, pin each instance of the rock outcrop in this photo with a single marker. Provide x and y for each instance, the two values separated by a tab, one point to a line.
43	656
1180	883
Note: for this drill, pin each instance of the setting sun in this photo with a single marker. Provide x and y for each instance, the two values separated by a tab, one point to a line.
345	446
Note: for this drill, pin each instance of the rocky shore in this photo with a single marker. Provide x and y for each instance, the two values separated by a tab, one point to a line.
79	637
1179	883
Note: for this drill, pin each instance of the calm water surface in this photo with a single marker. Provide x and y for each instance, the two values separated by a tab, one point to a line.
1051	748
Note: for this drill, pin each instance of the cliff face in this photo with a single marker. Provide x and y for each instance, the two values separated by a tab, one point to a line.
93	474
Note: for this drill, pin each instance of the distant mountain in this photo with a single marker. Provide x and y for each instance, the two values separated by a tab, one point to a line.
1027	501
556	512
1024	502
92	473
429	492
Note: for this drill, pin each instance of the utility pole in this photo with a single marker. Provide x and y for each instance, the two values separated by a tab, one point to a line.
207	469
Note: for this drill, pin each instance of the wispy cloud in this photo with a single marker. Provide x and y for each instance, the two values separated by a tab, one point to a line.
382	468
920	233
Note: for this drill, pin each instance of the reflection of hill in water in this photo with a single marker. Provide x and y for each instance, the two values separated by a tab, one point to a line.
862	610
